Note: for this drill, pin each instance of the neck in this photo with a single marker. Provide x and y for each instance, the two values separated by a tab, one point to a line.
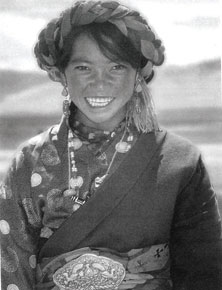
108	125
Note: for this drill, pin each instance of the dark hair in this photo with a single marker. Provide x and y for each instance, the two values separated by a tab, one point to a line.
113	44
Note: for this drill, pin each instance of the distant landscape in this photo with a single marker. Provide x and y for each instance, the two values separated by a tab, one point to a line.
188	102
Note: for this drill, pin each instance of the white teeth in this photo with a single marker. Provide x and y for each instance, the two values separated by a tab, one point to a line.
99	102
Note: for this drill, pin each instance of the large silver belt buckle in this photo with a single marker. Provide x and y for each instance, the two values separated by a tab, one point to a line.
90	272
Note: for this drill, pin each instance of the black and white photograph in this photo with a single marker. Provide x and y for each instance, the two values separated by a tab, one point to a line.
110	145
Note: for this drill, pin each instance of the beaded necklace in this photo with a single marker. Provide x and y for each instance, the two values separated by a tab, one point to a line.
76	181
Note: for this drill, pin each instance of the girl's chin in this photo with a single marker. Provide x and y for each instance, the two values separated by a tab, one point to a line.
101	118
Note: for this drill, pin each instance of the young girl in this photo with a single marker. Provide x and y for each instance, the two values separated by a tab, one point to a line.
106	199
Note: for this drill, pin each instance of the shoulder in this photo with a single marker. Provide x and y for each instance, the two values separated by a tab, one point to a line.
176	151
170	143
27	156
176	156
29	151
181	158
181	152
180	145
38	141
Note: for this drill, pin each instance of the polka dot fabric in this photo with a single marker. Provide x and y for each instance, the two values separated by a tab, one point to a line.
12	287
19	222
4	227
33	203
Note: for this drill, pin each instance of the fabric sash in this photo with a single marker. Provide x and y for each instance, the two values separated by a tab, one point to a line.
72	270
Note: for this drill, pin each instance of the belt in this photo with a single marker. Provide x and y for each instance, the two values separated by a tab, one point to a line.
100	269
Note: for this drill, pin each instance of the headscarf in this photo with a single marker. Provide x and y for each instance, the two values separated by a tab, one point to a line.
128	21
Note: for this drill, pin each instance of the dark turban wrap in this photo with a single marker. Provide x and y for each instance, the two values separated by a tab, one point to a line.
128	21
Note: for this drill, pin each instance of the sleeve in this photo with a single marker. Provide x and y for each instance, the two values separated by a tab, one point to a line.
19	228
196	247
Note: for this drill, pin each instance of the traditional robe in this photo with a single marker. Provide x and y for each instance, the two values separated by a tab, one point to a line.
160	193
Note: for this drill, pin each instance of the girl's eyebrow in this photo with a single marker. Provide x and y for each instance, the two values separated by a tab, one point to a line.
85	60
79	59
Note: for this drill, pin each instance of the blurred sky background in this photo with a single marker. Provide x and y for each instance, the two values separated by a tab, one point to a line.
186	89
189	28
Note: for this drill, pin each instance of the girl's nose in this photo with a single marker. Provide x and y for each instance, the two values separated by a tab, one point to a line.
100	79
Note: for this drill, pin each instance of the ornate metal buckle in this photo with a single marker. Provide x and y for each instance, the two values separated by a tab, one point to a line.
90	272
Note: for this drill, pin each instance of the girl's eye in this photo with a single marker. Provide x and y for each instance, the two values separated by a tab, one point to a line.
118	67
81	68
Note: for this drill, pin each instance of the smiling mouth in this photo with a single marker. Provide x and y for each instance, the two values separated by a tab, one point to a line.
99	102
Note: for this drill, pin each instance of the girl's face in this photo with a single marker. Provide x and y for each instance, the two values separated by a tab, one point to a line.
100	88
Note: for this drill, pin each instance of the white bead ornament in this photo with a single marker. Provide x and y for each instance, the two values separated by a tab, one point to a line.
36	179
76	143
76	182
3	193
32	261
4	227
91	135
76	206
122	147
12	287
130	138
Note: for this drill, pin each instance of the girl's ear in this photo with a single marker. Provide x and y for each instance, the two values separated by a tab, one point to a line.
57	76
